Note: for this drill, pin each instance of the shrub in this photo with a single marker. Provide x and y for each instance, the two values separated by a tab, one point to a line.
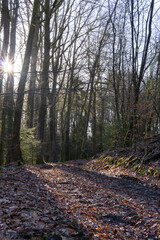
111	135
30	146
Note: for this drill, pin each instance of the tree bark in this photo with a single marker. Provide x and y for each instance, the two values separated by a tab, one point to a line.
137	76
10	80
44	79
4	53
16	150
92	76
32	84
6	26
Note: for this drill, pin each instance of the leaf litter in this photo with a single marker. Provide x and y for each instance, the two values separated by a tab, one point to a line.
72	201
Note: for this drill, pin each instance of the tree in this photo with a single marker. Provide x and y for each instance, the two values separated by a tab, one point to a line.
90	74
138	72
16	150
93	71
5	22
8	103
33	76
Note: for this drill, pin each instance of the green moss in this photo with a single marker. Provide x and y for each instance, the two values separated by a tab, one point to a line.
111	160
153	172
120	161
135	162
142	171
107	166
136	167
101	157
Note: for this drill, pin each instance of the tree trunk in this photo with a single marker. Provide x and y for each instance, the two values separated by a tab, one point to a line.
92	76
102	129
137	77
44	78
10	81
4	53
53	121
94	126
32	85
6	26
16	151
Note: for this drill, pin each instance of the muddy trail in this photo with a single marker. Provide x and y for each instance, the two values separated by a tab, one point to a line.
70	201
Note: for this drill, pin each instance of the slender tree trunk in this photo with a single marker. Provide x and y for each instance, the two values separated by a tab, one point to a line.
6	26
92	76
68	116
114	75
53	121
137	77
10	81
94	125
32	85
44	78
102	124
16	151
4	53
56	65
67	130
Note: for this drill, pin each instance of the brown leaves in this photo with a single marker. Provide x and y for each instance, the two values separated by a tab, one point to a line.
28	210
70	202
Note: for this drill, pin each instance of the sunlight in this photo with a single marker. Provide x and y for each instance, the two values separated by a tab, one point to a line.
7	66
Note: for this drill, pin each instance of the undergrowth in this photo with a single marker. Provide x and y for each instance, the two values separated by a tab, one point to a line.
128	162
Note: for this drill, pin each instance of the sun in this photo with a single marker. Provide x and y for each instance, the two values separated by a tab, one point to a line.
7	66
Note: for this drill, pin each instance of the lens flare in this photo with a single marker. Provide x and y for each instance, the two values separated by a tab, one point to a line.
7	66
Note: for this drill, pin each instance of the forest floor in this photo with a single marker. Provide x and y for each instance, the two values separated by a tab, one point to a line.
71	200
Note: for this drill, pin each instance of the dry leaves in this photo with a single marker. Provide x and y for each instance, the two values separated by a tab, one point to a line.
67	201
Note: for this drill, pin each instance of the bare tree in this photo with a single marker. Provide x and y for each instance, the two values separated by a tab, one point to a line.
16	150
7	111
138	72
5	22
33	77
93	71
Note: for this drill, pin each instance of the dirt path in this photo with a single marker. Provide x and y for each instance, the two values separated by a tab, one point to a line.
67	201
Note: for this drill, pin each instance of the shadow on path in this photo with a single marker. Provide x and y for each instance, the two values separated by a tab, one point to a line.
29	206
131	186
29	211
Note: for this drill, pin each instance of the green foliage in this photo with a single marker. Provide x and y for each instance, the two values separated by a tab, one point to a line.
30	146
153	172
102	157
111	134
121	161
144	171
128	138
109	159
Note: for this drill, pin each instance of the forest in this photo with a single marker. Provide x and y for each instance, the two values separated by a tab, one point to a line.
77	77
79	119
